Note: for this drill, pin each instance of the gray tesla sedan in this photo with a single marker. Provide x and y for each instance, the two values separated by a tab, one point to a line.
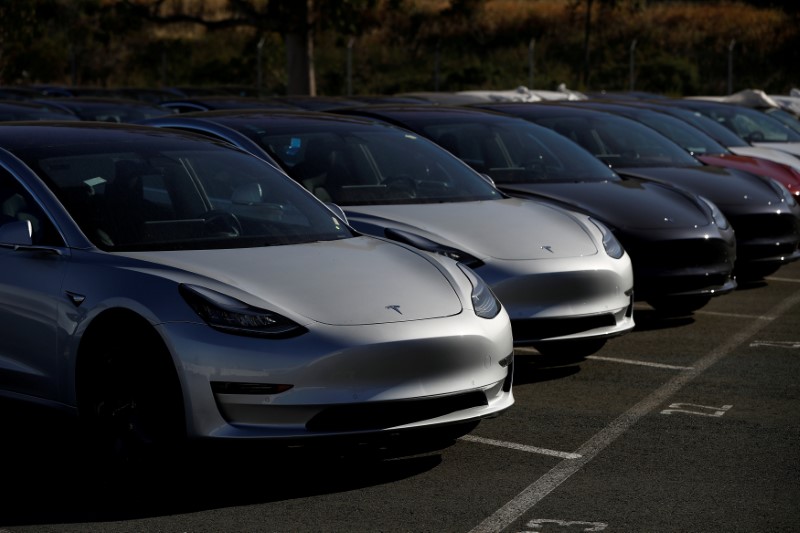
563	277
164	286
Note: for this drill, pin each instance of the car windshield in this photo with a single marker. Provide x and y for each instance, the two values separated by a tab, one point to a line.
621	142
690	138
750	124
119	113
707	125
9	113
787	119
364	164
178	195
517	152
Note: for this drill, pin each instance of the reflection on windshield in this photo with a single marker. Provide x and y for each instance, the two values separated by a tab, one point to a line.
518	153
750	124
621	142
157	198
358	165
690	138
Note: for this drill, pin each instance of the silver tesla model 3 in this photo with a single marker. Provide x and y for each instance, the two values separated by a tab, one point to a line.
162	286
563	277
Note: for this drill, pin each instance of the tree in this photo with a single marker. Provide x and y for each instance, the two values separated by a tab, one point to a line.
16	32
295	20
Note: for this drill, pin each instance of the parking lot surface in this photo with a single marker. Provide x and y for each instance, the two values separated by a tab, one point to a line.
687	424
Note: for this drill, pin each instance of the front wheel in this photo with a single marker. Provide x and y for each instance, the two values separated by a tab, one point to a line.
131	404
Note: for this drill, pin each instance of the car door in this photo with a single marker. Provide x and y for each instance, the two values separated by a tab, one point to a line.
31	276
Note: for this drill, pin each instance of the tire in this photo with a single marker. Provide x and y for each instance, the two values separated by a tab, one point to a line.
130	402
679	305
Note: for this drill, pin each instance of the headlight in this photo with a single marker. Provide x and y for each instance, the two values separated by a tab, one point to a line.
484	301
233	316
783	192
610	243
716	214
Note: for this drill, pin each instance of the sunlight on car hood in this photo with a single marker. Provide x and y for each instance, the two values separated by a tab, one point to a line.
348	282
507	229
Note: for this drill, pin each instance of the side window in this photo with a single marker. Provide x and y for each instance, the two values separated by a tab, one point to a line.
17	204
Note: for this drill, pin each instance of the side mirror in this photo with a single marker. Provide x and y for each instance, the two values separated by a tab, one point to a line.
17	232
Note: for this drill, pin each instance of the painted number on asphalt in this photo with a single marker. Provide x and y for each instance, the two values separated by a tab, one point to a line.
536	525
698	410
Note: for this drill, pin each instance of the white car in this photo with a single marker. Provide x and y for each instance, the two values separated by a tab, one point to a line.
564	279
163	286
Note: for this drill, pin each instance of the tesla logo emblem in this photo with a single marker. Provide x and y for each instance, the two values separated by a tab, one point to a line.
394	308
548	248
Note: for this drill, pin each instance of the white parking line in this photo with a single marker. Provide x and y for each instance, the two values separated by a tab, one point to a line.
543	486
787	280
735	315
521	447
776	344
635	362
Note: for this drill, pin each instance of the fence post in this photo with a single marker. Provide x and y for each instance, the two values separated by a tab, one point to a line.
730	65
350	43
436	59
260	68
531	46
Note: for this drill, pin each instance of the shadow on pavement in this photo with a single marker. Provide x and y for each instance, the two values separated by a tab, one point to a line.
533	367
46	479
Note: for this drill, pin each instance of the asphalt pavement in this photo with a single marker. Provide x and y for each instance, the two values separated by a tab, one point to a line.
686	424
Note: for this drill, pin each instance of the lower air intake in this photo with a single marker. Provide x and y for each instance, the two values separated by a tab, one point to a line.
382	415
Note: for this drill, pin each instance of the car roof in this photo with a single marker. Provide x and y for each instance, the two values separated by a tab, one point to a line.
274	116
544	109
23	135
221	101
424	112
78	101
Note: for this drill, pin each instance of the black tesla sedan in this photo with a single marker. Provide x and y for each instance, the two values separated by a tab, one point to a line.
700	144
764	215
682	247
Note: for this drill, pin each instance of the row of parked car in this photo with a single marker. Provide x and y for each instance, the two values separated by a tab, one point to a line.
359	270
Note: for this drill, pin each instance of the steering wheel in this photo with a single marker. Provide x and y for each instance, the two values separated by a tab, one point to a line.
755	136
222	223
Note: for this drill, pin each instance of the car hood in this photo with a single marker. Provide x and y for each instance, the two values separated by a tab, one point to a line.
791	148
626	203
354	281
724	187
785	174
507	229
767	153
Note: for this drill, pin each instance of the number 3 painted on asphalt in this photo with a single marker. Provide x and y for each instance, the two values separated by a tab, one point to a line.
694	409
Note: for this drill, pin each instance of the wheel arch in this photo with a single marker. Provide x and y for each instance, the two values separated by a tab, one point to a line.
119	325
